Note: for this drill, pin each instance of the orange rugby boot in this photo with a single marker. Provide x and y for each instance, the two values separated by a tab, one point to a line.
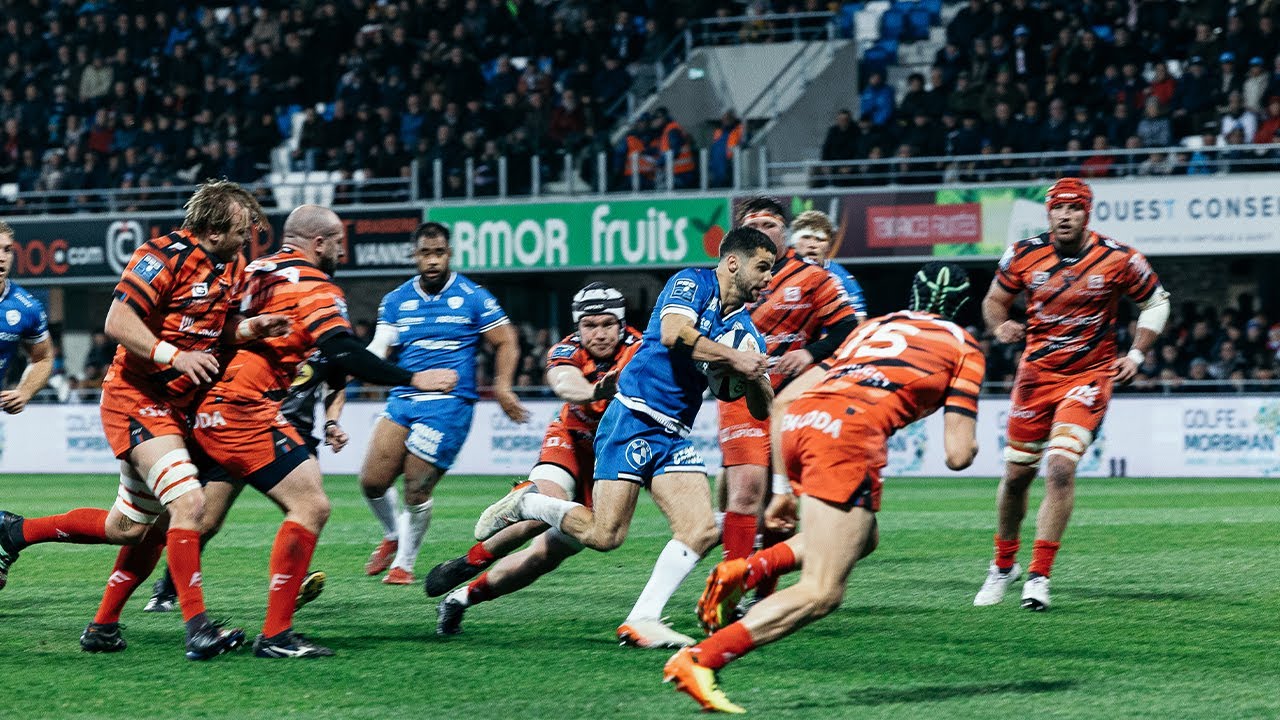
381	557
698	682
398	576
725	587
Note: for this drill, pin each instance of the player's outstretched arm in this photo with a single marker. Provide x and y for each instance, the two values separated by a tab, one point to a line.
570	385
240	329
506	357
1153	314
346	352
36	376
959	439
995	313
126	327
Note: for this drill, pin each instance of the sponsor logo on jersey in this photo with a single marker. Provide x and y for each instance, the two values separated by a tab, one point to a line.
684	289
213	419
1086	395
685	457
148	268
342	308
199	290
453	319
409	305
437	344
455	302
490	305
554	441
1038	278
186	323
154	411
563	351
1022	414
13	317
791	294
816	419
638	454
424	440
1096	282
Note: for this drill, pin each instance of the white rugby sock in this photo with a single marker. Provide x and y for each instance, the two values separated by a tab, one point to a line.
414	521
550	510
674	565
384	508
720	520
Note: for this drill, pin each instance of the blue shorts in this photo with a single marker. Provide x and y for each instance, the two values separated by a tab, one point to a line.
437	428
633	447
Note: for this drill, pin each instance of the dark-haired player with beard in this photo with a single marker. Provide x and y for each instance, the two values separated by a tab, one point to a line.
830	433
433	321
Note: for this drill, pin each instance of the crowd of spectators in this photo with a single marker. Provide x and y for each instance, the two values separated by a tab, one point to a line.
150	94
1028	76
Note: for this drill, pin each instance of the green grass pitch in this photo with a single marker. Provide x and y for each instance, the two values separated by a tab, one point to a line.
1166	605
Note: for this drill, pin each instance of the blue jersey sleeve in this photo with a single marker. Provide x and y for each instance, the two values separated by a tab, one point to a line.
852	289
684	294
488	313
37	326
388	309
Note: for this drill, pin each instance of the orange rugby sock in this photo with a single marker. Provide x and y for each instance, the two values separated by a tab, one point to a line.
84	526
724	646
1006	552
134	564
479	590
739	535
1042	556
479	556
290	557
184	566
770	564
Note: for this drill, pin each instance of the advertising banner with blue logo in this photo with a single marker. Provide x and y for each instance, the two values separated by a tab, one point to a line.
1178	436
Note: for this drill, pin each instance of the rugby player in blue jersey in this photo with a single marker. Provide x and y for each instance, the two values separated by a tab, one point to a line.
643	438
433	321
23	325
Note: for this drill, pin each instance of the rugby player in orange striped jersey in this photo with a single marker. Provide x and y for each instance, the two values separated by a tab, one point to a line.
1074	279
173	309
830	430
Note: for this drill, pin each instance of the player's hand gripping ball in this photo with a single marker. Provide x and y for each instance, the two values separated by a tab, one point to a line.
724	382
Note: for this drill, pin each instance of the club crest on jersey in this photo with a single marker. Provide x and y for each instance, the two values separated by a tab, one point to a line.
13	317
455	303
1038	278
684	289
791	294
199	290
1096	282
638	454
148	268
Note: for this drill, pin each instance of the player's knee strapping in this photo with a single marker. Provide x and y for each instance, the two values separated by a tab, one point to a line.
173	476
554	474
1023	453
134	499
1069	441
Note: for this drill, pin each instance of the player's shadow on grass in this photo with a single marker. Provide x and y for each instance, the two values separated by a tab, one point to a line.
933	693
1143	595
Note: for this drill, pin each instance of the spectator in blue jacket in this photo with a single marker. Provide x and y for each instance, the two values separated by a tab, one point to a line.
877	99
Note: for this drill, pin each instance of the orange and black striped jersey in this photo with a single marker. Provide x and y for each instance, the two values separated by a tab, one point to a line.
801	301
283	283
898	368
184	296
570	352
1072	301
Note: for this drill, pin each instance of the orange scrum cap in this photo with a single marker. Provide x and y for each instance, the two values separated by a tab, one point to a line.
1070	191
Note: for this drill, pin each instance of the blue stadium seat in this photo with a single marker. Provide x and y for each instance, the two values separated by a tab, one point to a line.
917	25
892	23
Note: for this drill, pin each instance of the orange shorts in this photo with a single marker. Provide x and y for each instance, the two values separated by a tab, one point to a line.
1041	400
244	438
574	451
132	415
831	456
744	440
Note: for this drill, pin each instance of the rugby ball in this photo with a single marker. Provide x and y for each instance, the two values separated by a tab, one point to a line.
724	383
